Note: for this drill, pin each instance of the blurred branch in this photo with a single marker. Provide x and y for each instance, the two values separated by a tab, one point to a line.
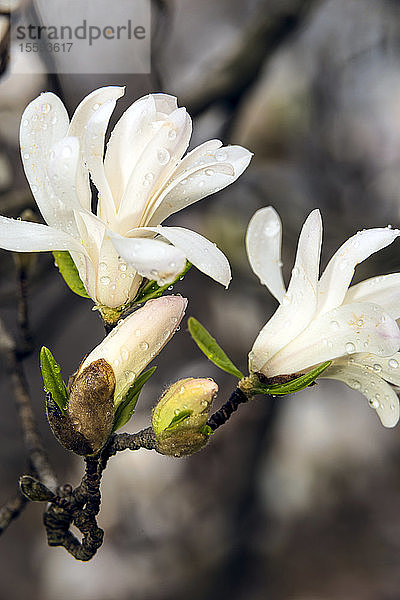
163	14
229	81
11	510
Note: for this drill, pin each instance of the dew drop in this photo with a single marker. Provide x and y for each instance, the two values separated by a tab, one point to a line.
360	323
46	108
350	347
221	155
96	106
26	155
334	324
105	280
129	375
393	364
374	403
209	172
123	267
66	152
163	156
377	368
356	385
172	134
144	346
25	122
124	353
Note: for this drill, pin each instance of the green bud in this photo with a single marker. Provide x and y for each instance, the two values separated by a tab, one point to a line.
34	490
180	417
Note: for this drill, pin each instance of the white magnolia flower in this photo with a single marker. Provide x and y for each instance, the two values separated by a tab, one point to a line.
136	340
321	318
141	180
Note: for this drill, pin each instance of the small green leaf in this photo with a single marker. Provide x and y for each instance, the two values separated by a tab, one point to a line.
153	290
184	414
126	408
295	385
34	490
53	382
68	270
209	346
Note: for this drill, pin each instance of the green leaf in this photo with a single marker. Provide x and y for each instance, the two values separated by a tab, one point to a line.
211	349
126	408
53	382
68	270
184	414
153	290
295	385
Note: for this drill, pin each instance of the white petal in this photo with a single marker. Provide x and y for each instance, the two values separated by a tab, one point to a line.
128	139
263	244
202	253
62	171
153	259
340	269
79	121
117	282
137	339
154	167
383	290
299	303
93	145
44	122
23	236
204	171
386	367
380	395
351	328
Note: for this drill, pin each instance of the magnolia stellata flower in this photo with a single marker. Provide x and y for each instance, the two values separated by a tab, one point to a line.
141	181
321	318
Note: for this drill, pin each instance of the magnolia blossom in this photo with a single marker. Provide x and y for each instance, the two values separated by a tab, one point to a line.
136	340
321	318
141	179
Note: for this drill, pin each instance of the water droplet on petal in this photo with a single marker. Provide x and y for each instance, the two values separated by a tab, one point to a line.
377	368
334	324
209	172
96	106
105	280
221	155
46	108
350	348
393	364
144	346
172	134
163	156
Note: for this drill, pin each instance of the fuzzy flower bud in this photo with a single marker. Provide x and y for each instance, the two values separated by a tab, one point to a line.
180	417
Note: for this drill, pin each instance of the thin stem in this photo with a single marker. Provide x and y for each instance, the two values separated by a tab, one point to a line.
37	455
11	510
225	412
22	311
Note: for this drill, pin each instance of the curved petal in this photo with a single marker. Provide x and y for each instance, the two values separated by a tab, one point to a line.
199	175
77	128
263	244
351	328
340	269
154	167
386	367
44	122
23	236
62	171
93	146
138	339
380	395
202	253
383	290
130	136
153	259
128	139
299	303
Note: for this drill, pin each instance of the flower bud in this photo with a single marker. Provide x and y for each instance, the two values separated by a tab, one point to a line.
133	343
180	417
86	425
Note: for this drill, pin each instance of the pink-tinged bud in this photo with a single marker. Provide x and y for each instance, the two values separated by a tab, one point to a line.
133	343
180	417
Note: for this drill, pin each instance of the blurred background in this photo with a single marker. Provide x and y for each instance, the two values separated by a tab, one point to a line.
296	500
